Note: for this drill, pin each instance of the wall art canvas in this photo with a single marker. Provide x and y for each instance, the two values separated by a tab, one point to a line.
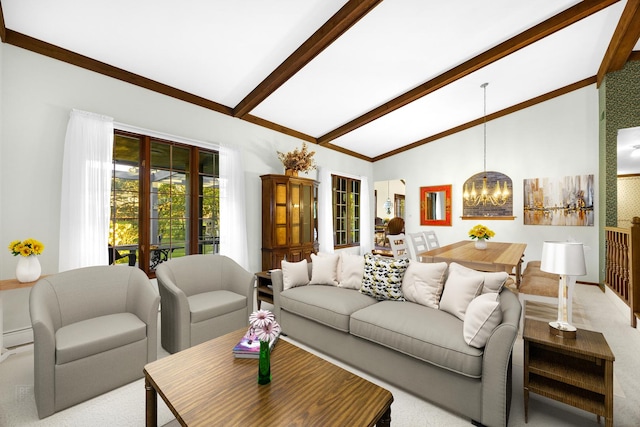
559	201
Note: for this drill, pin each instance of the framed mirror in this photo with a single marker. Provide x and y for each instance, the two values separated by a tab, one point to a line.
435	205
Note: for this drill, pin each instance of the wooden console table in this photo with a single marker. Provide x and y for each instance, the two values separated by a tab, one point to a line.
578	372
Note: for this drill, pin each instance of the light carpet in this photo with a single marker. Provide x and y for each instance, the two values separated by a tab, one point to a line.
593	310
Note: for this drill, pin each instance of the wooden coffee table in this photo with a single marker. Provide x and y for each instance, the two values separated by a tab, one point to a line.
206	385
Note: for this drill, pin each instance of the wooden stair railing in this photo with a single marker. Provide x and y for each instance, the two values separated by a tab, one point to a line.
622	265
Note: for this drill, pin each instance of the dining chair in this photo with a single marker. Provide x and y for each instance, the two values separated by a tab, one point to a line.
398	244
418	244
432	239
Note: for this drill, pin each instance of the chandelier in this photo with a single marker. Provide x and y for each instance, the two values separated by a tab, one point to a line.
499	196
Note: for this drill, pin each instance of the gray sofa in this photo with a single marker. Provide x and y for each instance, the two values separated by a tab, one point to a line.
94	329
412	346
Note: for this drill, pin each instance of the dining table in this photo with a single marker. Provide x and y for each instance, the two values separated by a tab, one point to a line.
498	256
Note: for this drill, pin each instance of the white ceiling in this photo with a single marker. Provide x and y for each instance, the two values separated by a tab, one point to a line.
222	50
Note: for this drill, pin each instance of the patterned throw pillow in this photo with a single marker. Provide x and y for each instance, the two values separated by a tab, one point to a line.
383	277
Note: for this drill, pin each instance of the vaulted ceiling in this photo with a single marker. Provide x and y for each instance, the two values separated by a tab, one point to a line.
367	78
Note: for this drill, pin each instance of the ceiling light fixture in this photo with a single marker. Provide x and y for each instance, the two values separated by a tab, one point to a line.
499	197
387	203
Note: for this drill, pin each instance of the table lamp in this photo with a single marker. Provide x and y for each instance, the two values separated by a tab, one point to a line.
564	259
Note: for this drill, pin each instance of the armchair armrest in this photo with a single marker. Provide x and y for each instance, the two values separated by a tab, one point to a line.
44	354
143	301
236	279
176	335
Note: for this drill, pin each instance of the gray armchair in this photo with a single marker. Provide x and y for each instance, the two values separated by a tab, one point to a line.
94	329
202	297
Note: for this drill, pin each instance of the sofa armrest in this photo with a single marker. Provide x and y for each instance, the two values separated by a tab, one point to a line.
496	363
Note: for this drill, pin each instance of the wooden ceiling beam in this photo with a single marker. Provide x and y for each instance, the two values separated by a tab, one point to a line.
340	22
624	39
3	28
52	51
556	23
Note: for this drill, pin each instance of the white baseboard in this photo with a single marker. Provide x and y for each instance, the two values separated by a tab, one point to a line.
17	337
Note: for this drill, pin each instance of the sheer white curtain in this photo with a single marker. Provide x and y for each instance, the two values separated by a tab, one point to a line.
325	211
233	223
86	184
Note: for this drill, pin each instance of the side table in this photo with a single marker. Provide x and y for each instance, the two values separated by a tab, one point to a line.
264	290
7	285
578	372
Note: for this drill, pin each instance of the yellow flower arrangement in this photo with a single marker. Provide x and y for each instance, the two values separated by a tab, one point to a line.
481	232
298	160
26	247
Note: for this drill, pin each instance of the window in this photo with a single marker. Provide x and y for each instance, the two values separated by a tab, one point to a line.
164	201
346	211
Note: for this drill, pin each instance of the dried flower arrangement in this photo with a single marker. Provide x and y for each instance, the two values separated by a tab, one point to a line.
298	160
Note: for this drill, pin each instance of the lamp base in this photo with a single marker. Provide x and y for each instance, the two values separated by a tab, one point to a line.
562	330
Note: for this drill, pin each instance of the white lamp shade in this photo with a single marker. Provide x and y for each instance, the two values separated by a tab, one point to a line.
563	258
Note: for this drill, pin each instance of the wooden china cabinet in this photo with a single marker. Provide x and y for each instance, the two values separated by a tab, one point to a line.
289	219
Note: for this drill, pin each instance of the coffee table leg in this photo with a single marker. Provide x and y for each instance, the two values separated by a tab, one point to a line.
151	404
385	419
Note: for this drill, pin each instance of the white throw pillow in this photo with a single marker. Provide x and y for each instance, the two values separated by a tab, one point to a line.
423	282
482	317
324	269
493	282
459	290
294	274
352	270
338	277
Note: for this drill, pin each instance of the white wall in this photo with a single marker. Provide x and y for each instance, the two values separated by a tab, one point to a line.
556	138
38	95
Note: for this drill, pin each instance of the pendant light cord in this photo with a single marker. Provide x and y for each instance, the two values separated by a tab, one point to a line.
484	86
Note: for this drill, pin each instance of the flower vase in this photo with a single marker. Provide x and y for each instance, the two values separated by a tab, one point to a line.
264	363
291	172
481	244
28	269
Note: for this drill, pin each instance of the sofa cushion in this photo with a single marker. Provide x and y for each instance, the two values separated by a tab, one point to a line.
427	334
206	305
327	305
99	334
482	317
351	268
324	270
459	290
493	281
294	274
423	282
383	277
